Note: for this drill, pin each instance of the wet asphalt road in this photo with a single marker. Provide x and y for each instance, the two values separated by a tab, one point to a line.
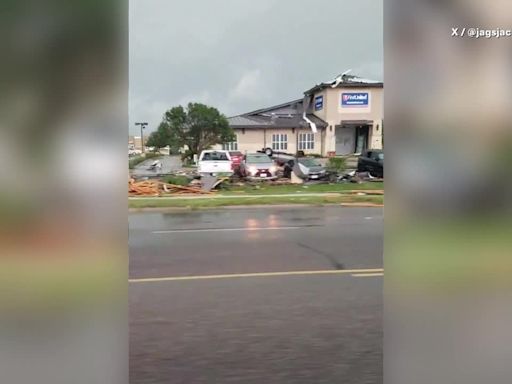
273	329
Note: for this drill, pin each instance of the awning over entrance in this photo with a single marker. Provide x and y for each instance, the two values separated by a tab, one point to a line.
352	123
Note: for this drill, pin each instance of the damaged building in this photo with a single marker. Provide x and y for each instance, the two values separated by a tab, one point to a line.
341	117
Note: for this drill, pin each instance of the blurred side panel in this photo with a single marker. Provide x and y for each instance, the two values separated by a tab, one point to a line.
448	239
63	222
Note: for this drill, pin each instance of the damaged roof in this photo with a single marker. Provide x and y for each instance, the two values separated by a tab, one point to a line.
346	81
289	114
286	115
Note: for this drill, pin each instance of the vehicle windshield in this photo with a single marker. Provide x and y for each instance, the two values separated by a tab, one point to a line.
258	159
380	156
308	162
215	156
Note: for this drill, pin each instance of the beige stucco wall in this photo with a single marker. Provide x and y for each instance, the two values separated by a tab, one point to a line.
250	141
254	139
376	135
333	113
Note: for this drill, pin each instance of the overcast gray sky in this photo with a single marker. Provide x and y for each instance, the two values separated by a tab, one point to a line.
241	55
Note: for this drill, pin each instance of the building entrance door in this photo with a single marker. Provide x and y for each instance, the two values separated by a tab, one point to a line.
362	133
345	140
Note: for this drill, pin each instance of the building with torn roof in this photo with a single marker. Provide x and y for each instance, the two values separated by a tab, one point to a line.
341	117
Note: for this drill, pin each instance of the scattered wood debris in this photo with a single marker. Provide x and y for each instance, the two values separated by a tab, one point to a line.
182	190
158	188
143	188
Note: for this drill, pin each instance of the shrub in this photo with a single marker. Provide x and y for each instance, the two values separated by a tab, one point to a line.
152	155
187	157
337	164
136	160
177	180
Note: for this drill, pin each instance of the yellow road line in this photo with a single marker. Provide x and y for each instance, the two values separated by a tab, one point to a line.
367	274
261	274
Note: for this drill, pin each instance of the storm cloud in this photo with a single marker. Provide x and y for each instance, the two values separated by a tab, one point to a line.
241	55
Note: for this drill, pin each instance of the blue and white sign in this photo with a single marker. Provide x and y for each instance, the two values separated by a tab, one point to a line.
355	99
319	103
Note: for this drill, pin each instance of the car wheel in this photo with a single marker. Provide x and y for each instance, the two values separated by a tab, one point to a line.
269	151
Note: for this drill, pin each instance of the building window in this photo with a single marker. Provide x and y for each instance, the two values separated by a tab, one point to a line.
280	142
306	141
231	146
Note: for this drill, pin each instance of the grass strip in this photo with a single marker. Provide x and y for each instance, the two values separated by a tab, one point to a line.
247	201
268	189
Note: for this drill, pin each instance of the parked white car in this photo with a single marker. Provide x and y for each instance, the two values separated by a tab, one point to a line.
212	162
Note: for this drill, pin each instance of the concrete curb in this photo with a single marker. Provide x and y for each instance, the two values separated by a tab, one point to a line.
258	196
362	205
234	207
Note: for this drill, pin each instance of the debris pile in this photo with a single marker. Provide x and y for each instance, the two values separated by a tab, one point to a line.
183	190
359	177
158	188
192	173
209	183
143	188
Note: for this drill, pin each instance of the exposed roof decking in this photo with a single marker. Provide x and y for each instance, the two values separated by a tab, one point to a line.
346	81
286	115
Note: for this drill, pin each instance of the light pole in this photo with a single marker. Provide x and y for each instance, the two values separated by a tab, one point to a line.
142	126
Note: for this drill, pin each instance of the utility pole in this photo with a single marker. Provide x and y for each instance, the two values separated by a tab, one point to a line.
142	126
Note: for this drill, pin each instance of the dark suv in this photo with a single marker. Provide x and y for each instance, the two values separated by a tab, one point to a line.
371	161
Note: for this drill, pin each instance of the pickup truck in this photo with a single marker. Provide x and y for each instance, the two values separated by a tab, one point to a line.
212	162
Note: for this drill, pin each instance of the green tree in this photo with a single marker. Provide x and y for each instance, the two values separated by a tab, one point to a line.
198	127
158	138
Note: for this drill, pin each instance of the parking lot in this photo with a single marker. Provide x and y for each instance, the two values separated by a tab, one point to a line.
277	295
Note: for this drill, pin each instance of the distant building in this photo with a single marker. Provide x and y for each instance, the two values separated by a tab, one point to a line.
134	142
346	113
